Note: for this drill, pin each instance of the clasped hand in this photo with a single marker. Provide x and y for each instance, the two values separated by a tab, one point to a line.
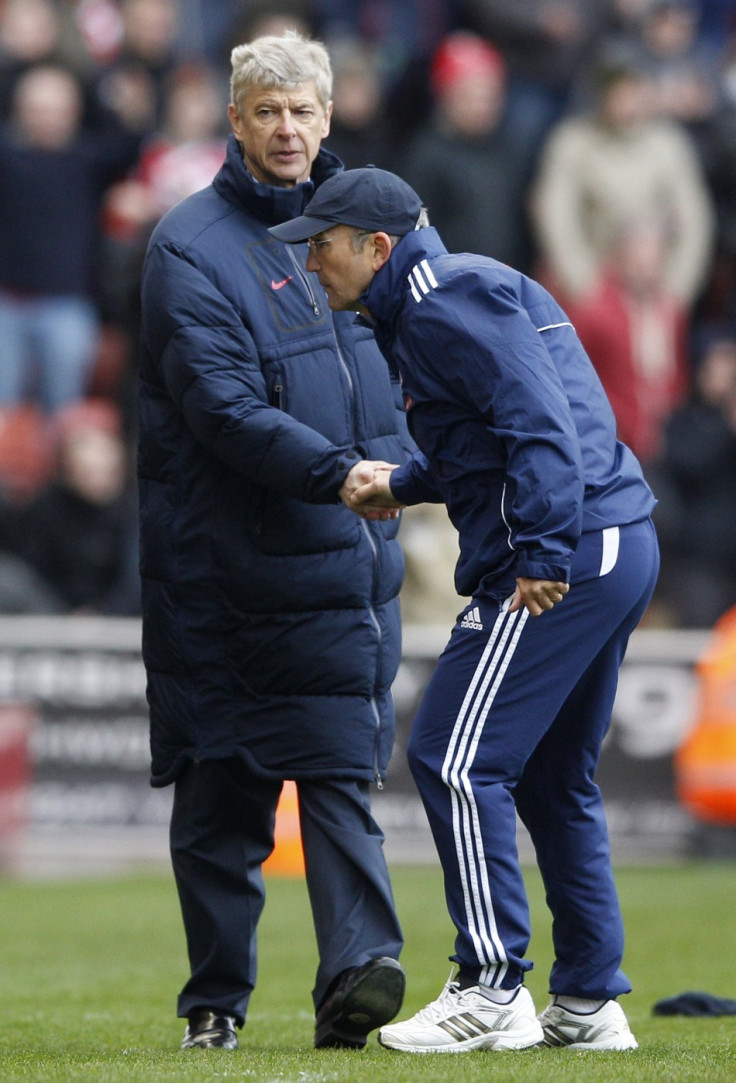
367	492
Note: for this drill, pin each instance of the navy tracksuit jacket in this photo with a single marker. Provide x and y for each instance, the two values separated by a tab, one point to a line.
518	439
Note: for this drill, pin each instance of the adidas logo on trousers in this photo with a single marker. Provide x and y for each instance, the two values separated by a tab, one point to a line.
472	620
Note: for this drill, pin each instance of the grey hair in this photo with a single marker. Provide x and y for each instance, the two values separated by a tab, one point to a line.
282	62
422	222
359	235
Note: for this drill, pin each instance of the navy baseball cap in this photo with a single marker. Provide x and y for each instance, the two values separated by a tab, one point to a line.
367	198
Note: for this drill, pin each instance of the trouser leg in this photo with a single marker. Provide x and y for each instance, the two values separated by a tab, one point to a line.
17	354
560	803
471	813
491	701
347	879
66	336
561	806
221	833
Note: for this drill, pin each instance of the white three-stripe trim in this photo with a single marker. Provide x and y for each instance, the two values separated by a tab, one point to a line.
456	768
421	280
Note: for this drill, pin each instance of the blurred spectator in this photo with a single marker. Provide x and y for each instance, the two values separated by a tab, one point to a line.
77	536
718	152
99	25
26	452
53	174
36	32
695	482
627	17
717	22
180	158
359	134
402	36
176	161
634	331
401	31
465	163
148	53
185	155
260	17
612	165
680	68
547	44
205	27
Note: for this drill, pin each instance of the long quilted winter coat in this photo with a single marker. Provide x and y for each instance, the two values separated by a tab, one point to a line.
270	612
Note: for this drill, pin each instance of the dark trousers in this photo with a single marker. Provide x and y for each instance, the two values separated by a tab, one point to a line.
222	830
512	722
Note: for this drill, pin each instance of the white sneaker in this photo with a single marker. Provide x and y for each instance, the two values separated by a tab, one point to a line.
606	1028
462	1019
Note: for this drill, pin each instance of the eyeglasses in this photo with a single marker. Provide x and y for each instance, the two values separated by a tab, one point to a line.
314	245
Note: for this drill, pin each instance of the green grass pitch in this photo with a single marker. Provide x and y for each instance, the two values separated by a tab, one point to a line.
89	973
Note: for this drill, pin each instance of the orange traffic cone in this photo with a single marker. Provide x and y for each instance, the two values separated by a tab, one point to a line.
705	763
287	858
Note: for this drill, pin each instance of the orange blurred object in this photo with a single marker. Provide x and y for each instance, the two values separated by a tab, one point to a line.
705	763
287	858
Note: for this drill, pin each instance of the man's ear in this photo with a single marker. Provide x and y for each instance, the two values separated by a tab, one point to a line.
326	121
381	250
234	117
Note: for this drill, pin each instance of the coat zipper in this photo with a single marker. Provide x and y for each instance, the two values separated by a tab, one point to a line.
379	633
304	277
371	610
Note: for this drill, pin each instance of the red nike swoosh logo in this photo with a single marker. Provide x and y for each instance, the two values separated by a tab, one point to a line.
278	285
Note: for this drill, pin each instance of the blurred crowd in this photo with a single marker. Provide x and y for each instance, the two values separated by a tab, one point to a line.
590	143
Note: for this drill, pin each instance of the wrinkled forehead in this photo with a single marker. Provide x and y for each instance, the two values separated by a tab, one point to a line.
294	96
266	87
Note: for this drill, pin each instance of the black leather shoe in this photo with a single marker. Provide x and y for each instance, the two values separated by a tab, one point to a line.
209	1030
364	997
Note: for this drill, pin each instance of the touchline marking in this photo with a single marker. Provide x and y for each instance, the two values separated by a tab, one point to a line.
278	285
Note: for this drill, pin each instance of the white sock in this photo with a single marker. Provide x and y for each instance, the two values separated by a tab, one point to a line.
579	1005
499	996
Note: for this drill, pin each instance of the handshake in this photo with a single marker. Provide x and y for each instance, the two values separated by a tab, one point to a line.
367	492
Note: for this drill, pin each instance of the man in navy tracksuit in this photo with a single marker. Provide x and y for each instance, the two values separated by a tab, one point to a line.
553	514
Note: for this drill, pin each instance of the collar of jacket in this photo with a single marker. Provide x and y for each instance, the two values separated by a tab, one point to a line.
264	201
385	295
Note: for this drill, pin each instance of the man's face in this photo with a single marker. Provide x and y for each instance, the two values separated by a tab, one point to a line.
343	260
626	103
48	108
280	132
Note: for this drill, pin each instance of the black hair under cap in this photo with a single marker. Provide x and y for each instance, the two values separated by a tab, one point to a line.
367	198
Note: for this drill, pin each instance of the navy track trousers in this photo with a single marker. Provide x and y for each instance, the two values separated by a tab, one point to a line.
511	721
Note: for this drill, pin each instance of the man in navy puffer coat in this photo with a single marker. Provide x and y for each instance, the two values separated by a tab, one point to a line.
271	624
